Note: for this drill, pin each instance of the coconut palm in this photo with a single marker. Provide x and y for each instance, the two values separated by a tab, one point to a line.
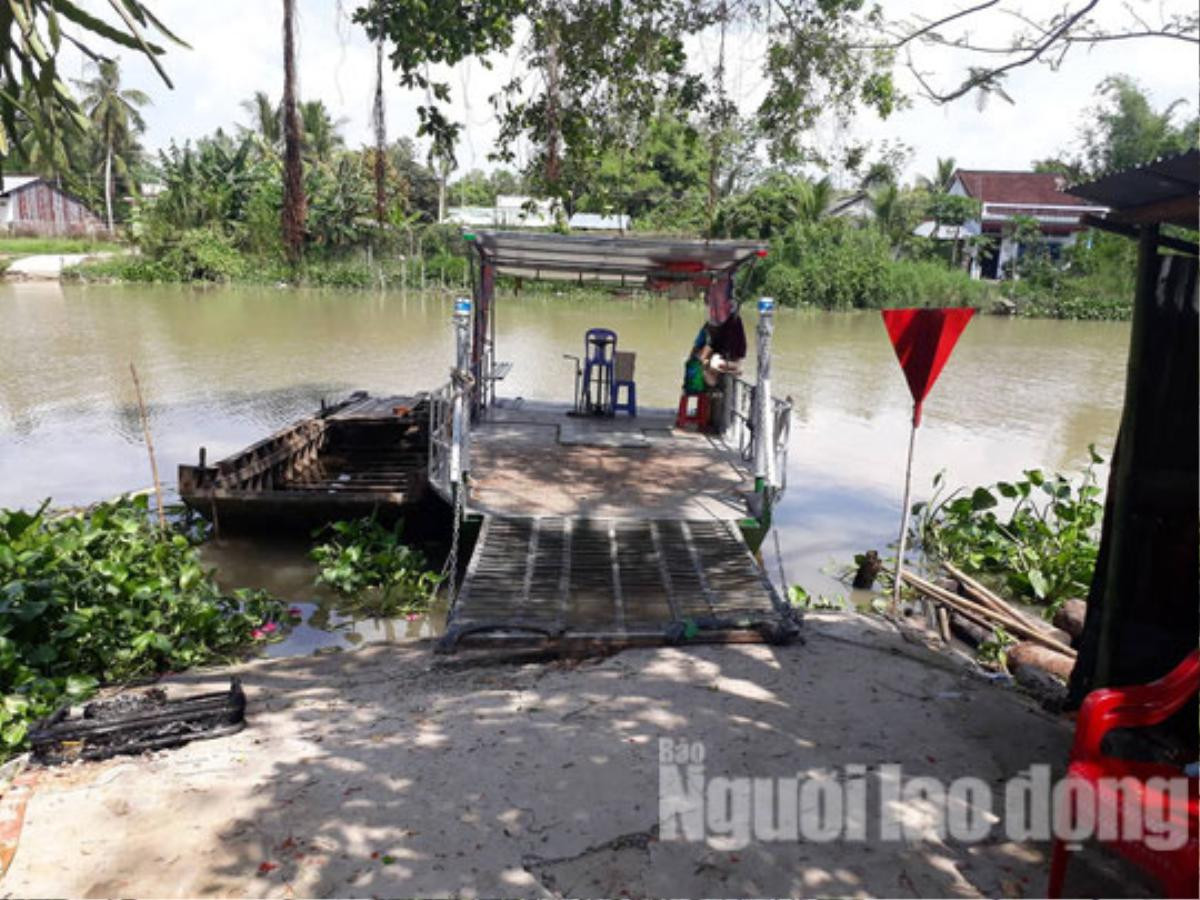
941	178
114	114
294	203
814	200
266	118
321	131
379	126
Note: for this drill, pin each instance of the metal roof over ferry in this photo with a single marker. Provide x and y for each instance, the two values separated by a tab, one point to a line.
532	254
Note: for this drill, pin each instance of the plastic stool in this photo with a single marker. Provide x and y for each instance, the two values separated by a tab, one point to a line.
623	364
687	417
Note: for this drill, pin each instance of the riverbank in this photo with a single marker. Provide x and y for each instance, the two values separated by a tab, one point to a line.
900	284
390	772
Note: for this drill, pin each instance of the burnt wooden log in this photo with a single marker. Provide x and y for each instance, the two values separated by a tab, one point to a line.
1070	617
970	632
1029	654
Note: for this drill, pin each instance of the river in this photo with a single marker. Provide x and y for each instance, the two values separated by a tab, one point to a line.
222	367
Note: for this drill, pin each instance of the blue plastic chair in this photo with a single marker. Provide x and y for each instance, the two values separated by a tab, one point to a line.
599	351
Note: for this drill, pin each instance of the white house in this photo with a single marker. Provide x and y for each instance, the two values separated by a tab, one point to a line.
518	211
1003	195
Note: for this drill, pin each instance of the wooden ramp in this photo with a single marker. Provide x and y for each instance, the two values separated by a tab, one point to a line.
551	581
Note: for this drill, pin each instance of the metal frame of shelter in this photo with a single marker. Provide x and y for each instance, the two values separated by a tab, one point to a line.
1143	606
759	422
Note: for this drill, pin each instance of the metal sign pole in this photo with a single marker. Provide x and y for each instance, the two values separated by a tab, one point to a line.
912	443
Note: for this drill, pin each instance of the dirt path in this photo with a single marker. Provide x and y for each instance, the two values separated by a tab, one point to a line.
48	266
389	772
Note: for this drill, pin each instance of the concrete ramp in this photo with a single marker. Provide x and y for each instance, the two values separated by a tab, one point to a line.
551	581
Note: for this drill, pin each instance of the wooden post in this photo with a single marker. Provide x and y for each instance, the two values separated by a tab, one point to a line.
765	476
137	388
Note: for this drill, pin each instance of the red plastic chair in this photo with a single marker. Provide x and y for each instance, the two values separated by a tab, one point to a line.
1177	871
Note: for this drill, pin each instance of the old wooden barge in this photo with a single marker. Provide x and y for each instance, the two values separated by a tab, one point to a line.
607	530
361	456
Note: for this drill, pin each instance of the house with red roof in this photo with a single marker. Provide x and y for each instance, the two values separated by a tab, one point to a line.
1003	195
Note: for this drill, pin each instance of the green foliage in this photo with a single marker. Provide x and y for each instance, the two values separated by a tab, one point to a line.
1094	280
371	565
802	599
34	100
1125	130
29	246
772	207
994	651
837	264
100	597
201	254
952	209
476	188
1040	545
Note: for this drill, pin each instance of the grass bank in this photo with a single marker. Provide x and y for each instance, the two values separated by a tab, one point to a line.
831	268
35	246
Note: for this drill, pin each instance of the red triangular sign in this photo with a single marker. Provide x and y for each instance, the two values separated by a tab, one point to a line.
924	339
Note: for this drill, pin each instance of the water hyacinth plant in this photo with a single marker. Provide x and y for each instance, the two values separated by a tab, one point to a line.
370	565
1034	538
104	596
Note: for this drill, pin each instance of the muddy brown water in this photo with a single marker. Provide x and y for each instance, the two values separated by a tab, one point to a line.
223	367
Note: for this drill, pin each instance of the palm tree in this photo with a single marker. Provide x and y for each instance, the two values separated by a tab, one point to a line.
266	118
114	114
379	125
321	135
939	181
815	200
294	203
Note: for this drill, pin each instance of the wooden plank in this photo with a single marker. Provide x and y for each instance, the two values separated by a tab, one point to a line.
610	581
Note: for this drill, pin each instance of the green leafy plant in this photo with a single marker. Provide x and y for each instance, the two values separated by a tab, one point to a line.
101	597
369	564
801	598
994	652
1042	549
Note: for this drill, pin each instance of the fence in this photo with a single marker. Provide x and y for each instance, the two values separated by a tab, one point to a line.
739	432
441	437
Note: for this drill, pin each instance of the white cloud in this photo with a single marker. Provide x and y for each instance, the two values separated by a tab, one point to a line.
236	49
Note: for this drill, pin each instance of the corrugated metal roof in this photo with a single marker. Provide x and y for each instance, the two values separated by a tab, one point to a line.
557	255
12	182
1166	178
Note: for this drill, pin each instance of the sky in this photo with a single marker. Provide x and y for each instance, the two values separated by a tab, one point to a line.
236	49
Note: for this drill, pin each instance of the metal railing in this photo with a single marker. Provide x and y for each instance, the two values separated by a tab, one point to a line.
441	437
739	433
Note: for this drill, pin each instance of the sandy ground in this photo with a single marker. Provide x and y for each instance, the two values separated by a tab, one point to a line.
391	772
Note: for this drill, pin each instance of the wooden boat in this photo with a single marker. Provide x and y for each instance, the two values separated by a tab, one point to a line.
360	456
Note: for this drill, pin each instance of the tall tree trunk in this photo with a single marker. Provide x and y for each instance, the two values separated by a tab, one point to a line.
553	107
443	177
718	126
380	125
294	204
108	185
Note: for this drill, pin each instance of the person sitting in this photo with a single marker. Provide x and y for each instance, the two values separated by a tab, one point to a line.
725	348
